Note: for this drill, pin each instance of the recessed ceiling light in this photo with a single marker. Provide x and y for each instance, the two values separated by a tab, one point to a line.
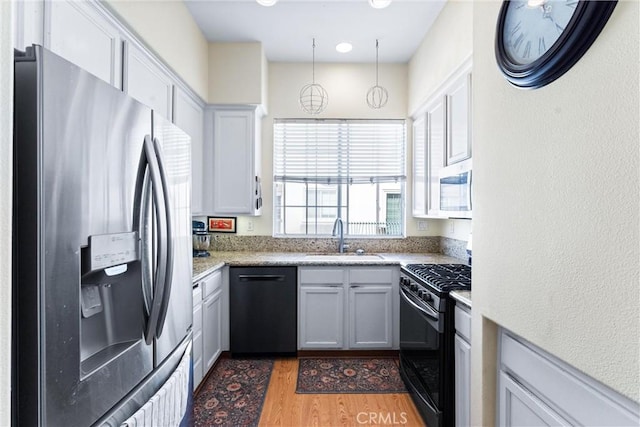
267	2
379	4
344	47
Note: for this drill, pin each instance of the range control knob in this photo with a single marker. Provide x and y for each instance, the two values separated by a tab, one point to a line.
413	287
427	296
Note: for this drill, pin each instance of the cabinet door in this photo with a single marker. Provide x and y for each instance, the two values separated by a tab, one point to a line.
518	407
198	372
370	316
28	24
78	32
462	355
189	117
420	167
146	81
234	179
459	126
211	329
321	317
436	135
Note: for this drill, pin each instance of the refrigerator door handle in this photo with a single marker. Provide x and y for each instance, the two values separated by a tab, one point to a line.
161	229
142	203
169	239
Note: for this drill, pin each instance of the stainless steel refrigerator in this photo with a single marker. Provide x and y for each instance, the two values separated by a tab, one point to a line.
102	309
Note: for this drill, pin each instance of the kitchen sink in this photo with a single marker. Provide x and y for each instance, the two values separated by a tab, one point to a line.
342	257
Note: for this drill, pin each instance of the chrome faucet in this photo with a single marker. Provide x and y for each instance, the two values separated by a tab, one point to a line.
339	224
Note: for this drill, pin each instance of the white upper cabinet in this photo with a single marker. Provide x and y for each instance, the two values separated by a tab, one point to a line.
459	120
436	139
188	115
145	81
28	26
441	137
236	187
419	167
78	32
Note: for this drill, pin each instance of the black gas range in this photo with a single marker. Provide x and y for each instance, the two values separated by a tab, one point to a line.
429	282
427	334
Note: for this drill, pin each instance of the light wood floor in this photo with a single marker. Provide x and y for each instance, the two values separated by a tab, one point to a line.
283	407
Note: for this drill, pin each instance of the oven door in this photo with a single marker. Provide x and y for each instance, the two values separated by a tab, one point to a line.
422	356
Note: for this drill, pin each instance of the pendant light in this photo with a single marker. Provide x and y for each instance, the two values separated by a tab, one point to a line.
377	96
313	97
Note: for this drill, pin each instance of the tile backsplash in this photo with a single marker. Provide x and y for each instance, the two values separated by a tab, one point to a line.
415	244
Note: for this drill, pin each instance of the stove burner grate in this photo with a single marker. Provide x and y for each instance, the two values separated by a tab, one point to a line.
444	277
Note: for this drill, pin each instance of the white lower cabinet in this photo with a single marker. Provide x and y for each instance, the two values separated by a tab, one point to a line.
321	322
347	308
370	316
198	372
462	359
210	323
536	388
519	407
212	329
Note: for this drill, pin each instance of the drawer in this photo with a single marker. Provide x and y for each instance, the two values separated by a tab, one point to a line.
211	283
371	275
463	323
321	276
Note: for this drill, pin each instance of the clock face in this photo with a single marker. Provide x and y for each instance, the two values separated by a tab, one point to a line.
531	27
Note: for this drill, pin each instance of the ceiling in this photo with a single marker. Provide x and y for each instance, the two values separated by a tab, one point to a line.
287	29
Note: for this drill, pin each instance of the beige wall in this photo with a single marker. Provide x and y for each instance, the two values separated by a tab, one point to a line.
168	28
6	160
445	47
556	219
347	85
237	73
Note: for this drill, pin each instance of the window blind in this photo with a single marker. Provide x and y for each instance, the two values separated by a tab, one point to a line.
339	151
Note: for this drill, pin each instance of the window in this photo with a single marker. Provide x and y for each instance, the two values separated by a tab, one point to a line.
349	169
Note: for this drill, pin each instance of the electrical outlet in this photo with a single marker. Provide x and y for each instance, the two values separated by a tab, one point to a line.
249	225
452	227
423	225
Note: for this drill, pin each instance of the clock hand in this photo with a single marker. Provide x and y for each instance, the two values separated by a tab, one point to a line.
547	8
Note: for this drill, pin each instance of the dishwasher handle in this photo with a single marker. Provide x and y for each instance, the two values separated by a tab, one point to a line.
261	277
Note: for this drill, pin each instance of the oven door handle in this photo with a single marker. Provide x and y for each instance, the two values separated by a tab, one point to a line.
427	311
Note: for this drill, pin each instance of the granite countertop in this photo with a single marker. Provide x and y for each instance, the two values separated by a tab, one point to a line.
216	260
463	296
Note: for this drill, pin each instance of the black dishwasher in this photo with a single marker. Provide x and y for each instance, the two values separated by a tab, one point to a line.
263	310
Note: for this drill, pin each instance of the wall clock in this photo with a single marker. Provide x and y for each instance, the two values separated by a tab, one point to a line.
537	41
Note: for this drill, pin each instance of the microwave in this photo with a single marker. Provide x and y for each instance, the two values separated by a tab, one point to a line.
455	190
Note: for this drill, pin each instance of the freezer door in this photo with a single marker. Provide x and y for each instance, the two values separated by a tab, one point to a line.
174	148
79	318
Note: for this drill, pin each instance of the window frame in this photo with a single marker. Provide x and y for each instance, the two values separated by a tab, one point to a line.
346	206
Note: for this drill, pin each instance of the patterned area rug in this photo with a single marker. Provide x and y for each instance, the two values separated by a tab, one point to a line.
337	375
233	394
